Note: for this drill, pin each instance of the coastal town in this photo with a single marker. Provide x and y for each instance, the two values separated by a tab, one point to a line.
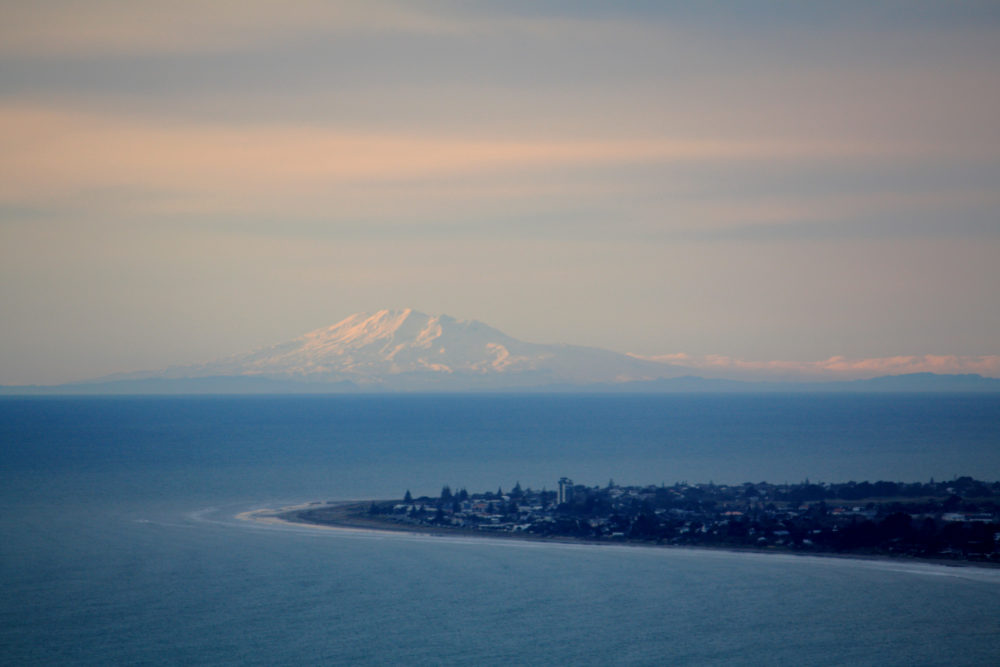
953	520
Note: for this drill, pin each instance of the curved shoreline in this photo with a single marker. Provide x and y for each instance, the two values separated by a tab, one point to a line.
288	516
347	519
344	516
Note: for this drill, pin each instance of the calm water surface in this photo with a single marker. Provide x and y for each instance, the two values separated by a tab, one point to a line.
120	546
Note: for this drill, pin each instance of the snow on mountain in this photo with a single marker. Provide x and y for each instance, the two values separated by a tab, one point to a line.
404	350
410	350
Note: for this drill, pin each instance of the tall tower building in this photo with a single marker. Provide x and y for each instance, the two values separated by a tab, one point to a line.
565	490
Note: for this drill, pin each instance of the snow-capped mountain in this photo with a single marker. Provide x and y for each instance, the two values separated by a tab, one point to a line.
406	349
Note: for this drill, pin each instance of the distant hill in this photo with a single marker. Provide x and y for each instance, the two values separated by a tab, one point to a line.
924	382
908	383
408	351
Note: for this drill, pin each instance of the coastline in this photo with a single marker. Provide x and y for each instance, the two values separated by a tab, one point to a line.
351	516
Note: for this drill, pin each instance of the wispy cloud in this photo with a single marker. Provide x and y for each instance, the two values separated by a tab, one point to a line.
51	154
115	27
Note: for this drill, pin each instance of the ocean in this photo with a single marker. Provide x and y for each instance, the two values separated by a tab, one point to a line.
120	543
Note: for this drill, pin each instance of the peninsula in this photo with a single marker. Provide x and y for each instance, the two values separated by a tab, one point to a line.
957	520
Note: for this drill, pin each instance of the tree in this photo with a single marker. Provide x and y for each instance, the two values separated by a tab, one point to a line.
408	498
446	494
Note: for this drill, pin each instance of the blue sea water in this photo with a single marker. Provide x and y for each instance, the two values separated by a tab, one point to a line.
120	543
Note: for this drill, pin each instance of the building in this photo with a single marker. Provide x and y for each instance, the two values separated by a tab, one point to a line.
565	490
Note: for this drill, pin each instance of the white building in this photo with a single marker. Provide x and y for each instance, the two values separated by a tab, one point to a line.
565	490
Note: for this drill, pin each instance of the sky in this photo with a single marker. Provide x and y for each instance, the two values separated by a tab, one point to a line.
755	185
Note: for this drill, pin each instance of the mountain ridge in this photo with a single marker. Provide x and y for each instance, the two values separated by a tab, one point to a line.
911	383
408	351
406	348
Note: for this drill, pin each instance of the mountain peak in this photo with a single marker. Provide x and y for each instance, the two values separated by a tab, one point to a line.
364	328
396	329
411	350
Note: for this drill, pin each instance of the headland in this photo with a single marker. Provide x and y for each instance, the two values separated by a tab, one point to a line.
956	521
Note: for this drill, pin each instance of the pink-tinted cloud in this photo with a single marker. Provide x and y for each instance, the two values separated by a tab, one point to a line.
123	28
52	155
837	367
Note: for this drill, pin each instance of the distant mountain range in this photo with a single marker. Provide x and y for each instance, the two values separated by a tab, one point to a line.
408	351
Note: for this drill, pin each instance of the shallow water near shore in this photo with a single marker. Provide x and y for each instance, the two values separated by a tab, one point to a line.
121	543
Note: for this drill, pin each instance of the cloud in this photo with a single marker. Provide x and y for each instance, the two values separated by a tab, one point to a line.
51	154
837	367
332	180
121	28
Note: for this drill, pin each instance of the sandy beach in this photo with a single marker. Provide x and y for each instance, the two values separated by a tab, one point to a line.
350	516
342	516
